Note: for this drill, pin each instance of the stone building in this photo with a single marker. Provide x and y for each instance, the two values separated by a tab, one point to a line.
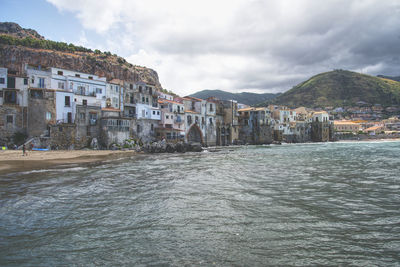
320	127
13	104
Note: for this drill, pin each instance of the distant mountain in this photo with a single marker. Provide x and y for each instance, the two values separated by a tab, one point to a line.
244	98
341	88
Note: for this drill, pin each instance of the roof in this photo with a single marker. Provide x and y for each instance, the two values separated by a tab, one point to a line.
245	109
193	98
110	109
160	100
117	81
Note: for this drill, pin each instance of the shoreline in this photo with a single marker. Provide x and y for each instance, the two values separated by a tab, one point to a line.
12	160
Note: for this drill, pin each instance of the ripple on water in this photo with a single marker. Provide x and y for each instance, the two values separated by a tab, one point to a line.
306	204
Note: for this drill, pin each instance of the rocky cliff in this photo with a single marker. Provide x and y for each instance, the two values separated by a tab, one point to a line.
14	53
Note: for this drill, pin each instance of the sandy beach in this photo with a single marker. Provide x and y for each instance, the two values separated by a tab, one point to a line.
13	161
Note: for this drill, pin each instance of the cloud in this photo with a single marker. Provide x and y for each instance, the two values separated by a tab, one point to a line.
240	45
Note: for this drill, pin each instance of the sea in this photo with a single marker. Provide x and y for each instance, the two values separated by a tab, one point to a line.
320	204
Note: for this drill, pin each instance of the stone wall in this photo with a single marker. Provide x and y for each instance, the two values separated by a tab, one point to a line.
37	108
146	132
18	124
62	136
320	131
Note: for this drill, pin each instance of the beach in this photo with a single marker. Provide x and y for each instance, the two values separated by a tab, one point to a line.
14	161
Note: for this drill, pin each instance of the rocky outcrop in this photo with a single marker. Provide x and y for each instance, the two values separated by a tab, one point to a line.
164	147
15	54
13	57
13	29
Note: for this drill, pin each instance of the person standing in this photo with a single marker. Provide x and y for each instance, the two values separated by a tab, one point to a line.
24	150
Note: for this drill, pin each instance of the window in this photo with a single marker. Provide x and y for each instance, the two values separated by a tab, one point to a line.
90	77
81	90
132	100
32	80
143	99
99	91
41	82
211	107
25	81
167	117
172	117
131	86
10	82
60	85
48	115
69	117
152	127
10	119
92	118
140	90
150	90
202	120
138	128
196	119
211	122
82	116
154	112
189	119
2	80
84	102
77	75
38	94
116	89
60	72
67	101
147	100
10	97
158	112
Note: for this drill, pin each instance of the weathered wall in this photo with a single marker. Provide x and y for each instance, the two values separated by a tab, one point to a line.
37	108
63	136
146	134
7	130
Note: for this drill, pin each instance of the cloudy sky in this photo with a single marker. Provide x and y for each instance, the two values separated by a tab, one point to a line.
233	45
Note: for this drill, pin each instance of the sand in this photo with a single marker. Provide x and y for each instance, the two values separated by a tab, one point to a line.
13	161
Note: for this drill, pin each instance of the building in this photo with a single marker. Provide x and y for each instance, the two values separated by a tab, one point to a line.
321	127
13	104
172	124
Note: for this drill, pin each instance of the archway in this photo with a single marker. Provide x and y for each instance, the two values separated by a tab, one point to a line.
195	135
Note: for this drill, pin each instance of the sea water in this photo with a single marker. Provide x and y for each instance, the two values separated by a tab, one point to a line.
303	204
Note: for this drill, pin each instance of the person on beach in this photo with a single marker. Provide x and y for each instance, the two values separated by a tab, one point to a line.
24	153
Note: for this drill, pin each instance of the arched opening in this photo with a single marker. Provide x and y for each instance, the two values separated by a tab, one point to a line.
195	135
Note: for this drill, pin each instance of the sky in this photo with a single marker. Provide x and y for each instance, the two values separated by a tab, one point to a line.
264	46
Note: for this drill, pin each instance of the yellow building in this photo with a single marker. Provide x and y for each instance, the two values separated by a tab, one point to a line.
346	126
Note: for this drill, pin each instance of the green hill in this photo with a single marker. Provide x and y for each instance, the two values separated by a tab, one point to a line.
341	88
244	98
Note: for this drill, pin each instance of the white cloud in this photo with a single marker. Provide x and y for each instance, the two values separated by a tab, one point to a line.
244	45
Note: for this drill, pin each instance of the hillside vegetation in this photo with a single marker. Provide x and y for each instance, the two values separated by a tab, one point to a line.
19	46
244	98
342	88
